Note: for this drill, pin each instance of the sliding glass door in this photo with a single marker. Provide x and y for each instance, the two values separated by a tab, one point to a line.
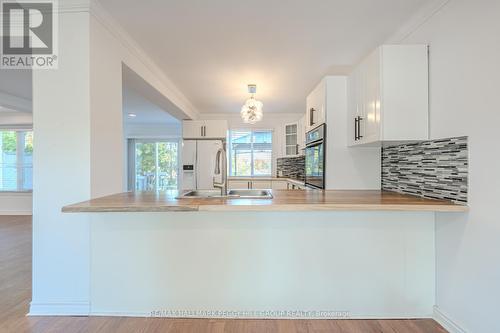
155	165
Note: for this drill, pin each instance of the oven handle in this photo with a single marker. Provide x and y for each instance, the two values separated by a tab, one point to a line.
314	143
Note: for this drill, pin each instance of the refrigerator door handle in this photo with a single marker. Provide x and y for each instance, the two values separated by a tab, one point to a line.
196	166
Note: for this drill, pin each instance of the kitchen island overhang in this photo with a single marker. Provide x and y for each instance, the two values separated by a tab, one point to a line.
293	263
283	200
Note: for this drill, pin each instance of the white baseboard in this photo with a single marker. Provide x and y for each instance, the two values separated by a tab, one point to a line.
13	213
193	314
446	322
59	309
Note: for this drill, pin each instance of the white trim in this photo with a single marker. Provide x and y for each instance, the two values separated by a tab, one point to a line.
97	11
60	309
446	322
236	115
108	22
221	315
16	212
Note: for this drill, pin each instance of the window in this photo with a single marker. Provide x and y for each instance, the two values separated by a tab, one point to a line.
250	152
16	160
153	165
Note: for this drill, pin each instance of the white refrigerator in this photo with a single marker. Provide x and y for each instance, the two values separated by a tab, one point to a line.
198	163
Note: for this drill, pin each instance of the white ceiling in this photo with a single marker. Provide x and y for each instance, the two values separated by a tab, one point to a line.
145	111
16	83
212	49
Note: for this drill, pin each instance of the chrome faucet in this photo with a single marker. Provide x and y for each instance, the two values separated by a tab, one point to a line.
221	170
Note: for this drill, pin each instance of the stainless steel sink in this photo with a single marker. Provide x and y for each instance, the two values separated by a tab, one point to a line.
244	194
253	194
201	194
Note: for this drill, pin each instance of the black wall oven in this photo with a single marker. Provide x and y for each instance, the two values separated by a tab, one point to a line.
315	157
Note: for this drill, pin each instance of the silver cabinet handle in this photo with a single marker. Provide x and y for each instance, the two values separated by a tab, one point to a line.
355	128
201	130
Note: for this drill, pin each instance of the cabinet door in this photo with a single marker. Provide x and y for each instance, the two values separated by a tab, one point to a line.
238	184
352	106
215	129
261	184
316	104
371	119
301	141
291	139
356	105
279	185
192	129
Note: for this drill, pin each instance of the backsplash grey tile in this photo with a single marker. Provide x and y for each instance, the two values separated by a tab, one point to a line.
433	169
291	167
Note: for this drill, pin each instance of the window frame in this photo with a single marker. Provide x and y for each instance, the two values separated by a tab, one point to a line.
20	165
131	158
252	166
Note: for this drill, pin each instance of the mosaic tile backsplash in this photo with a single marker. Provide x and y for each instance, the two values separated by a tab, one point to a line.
432	169
291	167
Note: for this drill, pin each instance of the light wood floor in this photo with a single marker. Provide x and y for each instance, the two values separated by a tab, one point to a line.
15	294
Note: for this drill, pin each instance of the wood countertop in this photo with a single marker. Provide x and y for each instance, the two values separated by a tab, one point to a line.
283	200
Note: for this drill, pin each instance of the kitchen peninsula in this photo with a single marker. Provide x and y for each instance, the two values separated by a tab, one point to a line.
301	254
283	200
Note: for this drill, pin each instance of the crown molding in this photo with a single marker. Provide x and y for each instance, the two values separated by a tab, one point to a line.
285	116
101	15
108	22
417	20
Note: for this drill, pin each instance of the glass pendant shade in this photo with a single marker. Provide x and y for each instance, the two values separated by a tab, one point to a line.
251	112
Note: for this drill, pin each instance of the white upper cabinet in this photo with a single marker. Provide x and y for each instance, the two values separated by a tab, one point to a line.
302	134
316	107
292	139
204	129
388	96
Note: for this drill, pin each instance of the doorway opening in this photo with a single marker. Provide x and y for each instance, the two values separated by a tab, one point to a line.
153	165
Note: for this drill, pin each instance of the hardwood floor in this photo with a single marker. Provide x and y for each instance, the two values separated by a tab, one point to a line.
15	295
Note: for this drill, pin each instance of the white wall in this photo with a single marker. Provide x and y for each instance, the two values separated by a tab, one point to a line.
273	121
464	93
79	148
152	131
16	203
61	174
370	264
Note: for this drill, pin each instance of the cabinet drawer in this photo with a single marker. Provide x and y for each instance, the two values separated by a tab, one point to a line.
261	184
238	184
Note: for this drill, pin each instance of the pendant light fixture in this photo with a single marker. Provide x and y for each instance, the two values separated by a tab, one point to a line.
251	111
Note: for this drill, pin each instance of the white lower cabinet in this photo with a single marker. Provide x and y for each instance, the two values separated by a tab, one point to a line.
249	184
261	184
238	184
280	185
